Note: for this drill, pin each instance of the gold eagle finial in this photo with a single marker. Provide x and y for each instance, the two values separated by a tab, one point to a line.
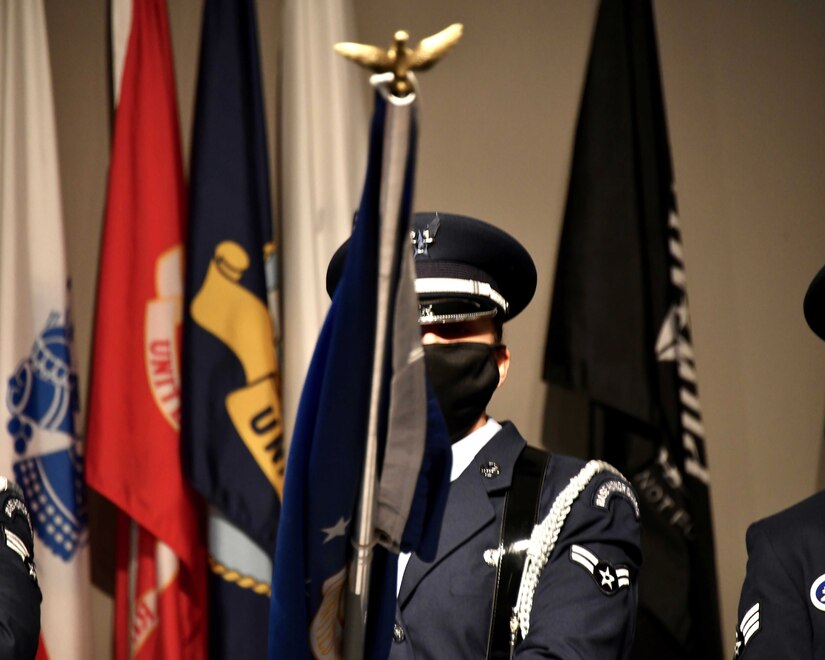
400	58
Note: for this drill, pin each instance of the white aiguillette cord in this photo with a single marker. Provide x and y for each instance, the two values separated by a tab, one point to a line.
543	540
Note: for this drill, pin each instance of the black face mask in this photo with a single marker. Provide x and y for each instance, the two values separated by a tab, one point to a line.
464	376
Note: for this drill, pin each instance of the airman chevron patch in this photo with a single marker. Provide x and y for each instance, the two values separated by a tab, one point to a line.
16	544
610	579
748	627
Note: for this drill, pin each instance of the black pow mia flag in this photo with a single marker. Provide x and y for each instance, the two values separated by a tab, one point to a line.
619	331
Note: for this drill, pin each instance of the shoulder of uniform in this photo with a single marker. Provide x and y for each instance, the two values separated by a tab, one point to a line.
800	518
600	484
609	486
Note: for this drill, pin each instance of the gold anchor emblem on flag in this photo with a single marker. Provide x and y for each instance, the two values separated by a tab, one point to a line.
242	322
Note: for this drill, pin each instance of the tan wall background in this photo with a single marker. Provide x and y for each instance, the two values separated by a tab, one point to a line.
745	96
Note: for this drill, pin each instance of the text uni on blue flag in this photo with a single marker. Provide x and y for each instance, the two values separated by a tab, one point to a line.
231	431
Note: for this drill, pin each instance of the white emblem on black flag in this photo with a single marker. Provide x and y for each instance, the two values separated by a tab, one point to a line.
674	344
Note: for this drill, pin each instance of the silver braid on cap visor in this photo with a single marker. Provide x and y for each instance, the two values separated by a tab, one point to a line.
454	285
543	540
426	316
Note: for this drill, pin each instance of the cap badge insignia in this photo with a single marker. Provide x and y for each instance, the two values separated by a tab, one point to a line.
422	238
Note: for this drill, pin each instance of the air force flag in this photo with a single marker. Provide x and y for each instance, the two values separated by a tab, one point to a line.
354	362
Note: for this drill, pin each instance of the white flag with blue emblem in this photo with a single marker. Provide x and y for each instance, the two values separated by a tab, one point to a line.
39	448
323	155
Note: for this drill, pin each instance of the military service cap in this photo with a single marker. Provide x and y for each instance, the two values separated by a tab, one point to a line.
465	269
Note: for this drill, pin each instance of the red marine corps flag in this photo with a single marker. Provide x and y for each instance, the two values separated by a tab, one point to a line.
133	455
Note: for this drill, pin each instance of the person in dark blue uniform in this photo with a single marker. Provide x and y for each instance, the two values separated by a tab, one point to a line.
19	592
579	597
782	605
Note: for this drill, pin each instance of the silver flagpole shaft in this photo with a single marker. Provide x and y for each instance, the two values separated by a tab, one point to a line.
396	147
397	84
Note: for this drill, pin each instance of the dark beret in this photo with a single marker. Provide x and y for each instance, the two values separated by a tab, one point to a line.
814	304
465	269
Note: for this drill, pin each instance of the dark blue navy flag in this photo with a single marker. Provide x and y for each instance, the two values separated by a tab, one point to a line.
619	331
362	381
231	415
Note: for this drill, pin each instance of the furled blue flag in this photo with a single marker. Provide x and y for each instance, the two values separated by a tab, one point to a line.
366	378
231	415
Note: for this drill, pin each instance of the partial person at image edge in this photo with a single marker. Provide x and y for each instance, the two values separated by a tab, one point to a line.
19	591
782	606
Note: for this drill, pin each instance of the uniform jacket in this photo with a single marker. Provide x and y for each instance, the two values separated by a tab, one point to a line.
19	606
444	607
782	606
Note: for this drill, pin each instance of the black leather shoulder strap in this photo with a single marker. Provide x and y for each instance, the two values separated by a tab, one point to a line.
521	511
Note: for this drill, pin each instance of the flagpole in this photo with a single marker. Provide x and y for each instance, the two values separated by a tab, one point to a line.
396	148
397	84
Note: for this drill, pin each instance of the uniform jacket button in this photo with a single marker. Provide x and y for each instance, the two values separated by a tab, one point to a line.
398	634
